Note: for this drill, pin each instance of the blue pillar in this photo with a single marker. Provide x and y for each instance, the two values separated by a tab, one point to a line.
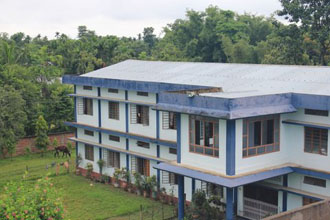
180	197
178	137
230	147
230	204
285	194
193	186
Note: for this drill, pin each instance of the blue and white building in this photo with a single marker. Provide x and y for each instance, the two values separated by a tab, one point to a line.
255	135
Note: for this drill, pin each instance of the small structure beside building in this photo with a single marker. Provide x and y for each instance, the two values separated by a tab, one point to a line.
254	135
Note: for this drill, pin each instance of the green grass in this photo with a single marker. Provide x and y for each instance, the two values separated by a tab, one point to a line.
82	198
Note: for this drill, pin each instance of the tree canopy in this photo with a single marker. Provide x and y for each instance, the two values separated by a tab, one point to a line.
32	67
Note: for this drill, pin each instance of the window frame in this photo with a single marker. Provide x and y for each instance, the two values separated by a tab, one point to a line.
169	120
312	140
89	152
316	112
140	93
90	88
173	149
214	148
88	132
143	144
114	138
113	110
88	105
309	180
246	122
110	90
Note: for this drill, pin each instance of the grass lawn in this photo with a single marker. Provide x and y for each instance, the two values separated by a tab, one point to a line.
81	199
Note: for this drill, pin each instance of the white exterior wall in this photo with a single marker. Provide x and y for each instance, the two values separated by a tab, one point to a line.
89	119
152	151
166	134
113	124
259	161
81	91
106	141
296	181
84	162
199	160
293	141
149	131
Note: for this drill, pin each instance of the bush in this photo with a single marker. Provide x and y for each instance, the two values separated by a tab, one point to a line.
21	200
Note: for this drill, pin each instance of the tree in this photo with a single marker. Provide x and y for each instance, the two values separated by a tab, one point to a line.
314	16
12	119
42	139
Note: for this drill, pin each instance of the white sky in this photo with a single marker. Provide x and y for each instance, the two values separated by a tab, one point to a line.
110	17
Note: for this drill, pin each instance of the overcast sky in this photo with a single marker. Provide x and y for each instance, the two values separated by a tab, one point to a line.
110	17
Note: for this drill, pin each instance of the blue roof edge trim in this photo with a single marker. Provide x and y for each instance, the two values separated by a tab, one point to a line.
122	134
230	108
143	86
223	181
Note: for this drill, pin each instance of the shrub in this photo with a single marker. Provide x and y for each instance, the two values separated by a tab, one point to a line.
21	200
89	168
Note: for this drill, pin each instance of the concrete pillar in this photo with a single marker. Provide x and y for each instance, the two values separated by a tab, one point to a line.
181	197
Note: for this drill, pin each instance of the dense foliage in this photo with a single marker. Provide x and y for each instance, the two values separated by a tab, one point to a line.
33	66
21	200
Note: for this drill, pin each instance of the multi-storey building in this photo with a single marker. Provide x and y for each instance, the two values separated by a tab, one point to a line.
256	135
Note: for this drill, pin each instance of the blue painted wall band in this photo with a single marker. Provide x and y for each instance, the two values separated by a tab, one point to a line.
230	147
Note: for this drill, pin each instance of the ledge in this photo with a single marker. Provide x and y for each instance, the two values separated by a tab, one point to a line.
307	124
112	99
138	137
120	150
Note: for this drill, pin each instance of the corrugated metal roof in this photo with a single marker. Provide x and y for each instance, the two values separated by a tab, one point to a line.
236	80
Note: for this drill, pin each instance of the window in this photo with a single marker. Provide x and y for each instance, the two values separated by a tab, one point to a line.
211	189
169	178
172	151
169	120
114	138
112	90
260	135
88	106
111	158
139	114
143	144
140	165
89	152
87	88
114	110
89	133
204	136
316	141
142	93
316	112
315	181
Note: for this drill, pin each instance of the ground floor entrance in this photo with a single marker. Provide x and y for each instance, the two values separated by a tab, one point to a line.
259	202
